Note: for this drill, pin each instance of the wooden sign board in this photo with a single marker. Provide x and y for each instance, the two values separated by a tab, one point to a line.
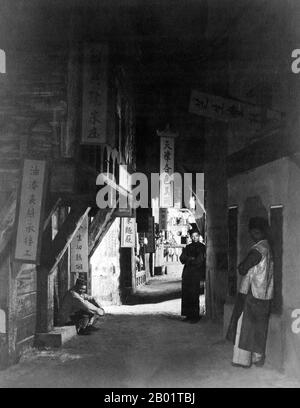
30	211
163	218
26	280
224	109
128	232
94	102
167	168
79	249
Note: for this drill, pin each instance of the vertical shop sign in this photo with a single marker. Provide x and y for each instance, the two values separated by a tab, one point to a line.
79	249
94	103
128	232
30	211
167	170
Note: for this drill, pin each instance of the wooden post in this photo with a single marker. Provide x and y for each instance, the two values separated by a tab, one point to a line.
64	269
66	233
216	206
11	321
51	255
133	270
45	283
147	266
45	287
62	277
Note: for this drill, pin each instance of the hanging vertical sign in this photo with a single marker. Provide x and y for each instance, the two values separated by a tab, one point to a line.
150	235
30	211
94	102
79	249
163	218
128	232
166	168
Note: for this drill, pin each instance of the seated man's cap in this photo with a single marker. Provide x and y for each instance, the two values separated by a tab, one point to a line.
80	282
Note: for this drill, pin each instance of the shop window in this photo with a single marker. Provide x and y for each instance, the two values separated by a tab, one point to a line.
276	224
232	250
2	62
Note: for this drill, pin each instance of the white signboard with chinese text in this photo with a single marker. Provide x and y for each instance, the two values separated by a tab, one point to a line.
94	102
167	170
128	232
30	208
79	249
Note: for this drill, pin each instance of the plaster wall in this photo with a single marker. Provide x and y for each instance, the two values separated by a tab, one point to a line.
105	267
277	183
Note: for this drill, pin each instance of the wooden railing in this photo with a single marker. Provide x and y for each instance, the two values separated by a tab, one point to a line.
140	278
173	254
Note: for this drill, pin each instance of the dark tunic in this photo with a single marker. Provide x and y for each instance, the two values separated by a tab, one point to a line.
254	328
256	310
193	273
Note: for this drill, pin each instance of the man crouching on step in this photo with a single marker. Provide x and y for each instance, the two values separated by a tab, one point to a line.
80	309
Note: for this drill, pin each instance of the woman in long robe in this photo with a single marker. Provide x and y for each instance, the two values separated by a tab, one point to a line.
193	258
248	328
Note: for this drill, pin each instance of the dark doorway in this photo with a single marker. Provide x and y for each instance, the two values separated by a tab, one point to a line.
232	250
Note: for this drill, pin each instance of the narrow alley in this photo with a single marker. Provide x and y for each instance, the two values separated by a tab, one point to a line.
145	345
149	193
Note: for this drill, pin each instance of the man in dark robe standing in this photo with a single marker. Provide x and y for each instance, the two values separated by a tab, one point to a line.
193	258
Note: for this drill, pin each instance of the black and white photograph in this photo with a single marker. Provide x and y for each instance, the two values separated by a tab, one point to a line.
149	197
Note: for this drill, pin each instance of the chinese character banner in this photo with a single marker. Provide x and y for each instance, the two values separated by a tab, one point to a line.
217	107
166	168
128	229
94	103
30	211
79	249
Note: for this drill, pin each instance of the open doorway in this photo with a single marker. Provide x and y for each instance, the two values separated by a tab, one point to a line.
173	235
161	289
150	271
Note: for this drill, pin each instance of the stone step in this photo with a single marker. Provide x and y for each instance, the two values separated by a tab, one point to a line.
56	338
